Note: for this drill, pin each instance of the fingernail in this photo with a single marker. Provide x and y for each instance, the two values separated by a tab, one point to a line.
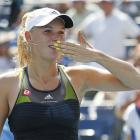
58	41
56	44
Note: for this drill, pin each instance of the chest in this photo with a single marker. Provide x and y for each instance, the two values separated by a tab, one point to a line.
27	116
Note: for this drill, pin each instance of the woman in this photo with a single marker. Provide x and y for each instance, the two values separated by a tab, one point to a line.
42	99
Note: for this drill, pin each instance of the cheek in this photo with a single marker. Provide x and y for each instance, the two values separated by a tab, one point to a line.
58	37
39	37
63	38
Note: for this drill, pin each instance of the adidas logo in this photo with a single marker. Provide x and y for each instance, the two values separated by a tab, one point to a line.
48	97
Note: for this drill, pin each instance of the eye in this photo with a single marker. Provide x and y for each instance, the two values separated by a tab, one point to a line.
48	30
61	32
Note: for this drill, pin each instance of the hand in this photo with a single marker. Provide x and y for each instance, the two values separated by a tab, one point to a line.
82	52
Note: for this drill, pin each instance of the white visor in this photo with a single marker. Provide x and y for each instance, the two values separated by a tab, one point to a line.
43	16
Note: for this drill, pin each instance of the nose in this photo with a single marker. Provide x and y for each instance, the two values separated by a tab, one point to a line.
56	37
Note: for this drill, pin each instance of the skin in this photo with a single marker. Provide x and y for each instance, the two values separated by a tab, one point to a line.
107	7
43	73
120	111
79	6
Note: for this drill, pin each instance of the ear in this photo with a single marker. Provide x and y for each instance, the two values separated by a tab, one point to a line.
27	36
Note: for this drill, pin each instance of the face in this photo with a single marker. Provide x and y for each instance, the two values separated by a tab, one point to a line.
106	6
79	5
45	36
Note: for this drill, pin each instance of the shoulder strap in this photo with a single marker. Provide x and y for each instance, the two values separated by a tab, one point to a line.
23	97
70	93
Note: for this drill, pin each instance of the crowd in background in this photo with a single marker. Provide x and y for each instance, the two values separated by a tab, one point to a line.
112	26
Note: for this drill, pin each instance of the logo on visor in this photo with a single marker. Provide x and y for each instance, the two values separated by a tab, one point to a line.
54	12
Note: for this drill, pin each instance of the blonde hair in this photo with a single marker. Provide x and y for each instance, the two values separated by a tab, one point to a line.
24	53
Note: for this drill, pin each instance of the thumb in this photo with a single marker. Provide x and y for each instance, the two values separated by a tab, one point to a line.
82	40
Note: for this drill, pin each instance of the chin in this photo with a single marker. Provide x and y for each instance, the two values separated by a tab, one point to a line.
54	58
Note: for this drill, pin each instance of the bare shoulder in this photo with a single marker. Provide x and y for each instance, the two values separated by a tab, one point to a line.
87	76
84	71
8	88
79	77
9	79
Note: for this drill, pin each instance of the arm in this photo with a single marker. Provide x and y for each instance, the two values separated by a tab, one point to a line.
124	76
120	111
124	71
8	92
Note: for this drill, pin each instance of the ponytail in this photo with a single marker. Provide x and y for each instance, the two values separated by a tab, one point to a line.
24	53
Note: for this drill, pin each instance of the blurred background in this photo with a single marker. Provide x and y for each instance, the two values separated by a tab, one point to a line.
112	26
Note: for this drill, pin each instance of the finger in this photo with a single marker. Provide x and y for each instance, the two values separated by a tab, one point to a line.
73	49
71	46
77	54
83	40
80	38
68	44
57	44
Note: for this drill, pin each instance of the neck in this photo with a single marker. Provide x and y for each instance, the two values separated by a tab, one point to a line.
107	14
42	72
81	10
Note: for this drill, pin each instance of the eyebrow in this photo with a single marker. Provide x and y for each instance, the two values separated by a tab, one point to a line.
47	26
